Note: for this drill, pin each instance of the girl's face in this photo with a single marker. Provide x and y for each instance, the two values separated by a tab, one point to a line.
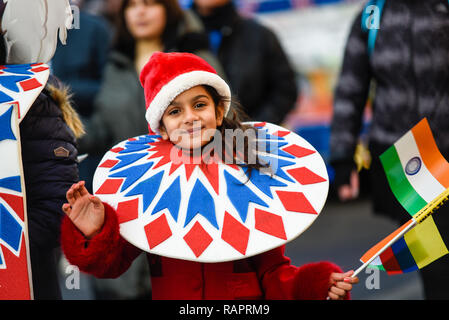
145	19
191	119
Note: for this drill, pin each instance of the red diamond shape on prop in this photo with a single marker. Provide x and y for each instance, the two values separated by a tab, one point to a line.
295	201
305	176
128	210
39	69
235	233
117	150
157	231
269	223
281	133
211	173
198	239
298	151
110	186
30	84
108	163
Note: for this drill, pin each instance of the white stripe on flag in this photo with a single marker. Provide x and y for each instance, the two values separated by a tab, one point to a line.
376	261
423	181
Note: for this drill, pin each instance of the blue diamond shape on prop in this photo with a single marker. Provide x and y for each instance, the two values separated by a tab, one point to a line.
132	174
18	69
11	183
127	159
241	195
129	147
263	182
10	82
148	189
201	202
170	200
10	229
4	97
5	126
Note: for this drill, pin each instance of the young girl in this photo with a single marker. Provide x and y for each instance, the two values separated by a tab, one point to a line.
187	102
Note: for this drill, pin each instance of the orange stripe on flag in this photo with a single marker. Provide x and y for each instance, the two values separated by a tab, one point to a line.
432	158
374	250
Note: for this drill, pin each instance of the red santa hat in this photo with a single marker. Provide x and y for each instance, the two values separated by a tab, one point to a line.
166	75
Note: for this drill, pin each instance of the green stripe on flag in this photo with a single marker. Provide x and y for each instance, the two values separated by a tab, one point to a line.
401	187
378	267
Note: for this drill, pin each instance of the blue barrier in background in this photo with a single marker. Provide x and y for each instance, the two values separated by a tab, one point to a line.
265	6
318	136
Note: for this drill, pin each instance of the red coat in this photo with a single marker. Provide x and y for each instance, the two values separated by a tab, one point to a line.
266	276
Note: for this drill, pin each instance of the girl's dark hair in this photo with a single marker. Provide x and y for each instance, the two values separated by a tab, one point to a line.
233	121
124	41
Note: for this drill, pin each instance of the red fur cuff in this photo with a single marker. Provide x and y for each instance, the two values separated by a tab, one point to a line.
89	255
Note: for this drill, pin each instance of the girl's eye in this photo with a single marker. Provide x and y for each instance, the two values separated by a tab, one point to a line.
199	105
173	112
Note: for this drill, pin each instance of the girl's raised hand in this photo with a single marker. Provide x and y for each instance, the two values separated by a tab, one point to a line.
85	210
341	284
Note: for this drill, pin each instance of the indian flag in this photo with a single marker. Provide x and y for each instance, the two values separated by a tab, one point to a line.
419	177
415	169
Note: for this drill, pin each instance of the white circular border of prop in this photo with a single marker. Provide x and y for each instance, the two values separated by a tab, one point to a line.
279	211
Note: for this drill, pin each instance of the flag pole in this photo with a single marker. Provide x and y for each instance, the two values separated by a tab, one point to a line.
417	218
428	209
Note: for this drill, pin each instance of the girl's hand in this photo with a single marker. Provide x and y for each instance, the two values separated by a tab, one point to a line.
85	210
341	284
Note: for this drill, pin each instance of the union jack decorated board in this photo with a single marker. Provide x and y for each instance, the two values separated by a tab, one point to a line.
20	85
212	212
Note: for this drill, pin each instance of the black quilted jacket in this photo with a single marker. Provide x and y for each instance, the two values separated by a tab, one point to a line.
50	166
410	68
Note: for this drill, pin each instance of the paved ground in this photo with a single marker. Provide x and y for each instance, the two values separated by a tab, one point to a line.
342	233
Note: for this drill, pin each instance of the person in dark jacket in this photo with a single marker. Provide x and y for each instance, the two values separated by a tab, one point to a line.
80	64
409	68
254	62
49	154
